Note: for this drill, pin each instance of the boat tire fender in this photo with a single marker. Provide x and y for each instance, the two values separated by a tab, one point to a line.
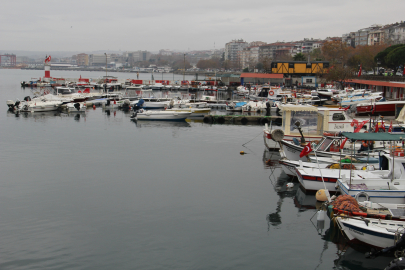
361	193
207	119
221	120
264	121
244	121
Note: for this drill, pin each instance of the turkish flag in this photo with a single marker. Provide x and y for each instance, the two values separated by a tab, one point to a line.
307	149
359	72
360	126
390	128
354	122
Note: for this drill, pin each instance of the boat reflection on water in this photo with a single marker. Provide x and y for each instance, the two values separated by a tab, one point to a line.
351	255
164	124
46	115
279	180
304	201
270	159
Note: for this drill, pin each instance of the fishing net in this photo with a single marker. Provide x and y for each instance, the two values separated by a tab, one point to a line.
343	166
346	203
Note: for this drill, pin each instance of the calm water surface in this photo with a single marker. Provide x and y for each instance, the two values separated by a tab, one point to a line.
98	191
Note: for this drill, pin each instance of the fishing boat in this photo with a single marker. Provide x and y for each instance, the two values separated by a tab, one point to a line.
314	179
375	232
289	166
383	187
313	122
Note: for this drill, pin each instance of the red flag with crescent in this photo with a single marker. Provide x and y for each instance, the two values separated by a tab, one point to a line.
354	122
360	126
307	149
48	59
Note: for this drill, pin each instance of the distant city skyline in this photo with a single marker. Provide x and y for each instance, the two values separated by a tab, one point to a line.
123	25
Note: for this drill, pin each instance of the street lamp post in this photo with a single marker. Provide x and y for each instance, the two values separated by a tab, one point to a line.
105	81
184	71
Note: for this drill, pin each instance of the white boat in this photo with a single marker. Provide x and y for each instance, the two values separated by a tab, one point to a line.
160	115
386	187
255	106
38	105
75	107
326	92
375	232
235	106
195	112
314	179
289	166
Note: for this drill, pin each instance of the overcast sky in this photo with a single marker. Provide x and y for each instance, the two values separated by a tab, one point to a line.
129	25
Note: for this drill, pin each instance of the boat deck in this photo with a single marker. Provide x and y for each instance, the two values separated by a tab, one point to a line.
368	187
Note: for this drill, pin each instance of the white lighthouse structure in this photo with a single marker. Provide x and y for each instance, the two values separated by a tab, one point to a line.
47	68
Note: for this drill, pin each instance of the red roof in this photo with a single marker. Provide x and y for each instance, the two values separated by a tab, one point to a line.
262	75
379	83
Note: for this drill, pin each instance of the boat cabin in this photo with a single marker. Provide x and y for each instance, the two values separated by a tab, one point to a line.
314	121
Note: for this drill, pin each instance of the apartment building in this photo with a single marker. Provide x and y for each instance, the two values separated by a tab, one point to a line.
82	59
249	56
233	50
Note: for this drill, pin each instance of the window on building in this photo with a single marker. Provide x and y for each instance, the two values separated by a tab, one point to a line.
308	80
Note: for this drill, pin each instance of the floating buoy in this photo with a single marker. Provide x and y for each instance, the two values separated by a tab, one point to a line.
242	152
321	195
94	106
290	185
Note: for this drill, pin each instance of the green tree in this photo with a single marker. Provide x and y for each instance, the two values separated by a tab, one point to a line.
381	56
246	69
299	57
396	58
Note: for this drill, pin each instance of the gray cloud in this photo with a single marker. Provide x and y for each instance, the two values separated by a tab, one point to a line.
178	24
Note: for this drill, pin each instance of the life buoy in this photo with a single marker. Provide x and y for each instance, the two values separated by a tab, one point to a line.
362	193
271	92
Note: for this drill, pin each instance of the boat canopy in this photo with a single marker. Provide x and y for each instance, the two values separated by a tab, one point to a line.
379	136
295	108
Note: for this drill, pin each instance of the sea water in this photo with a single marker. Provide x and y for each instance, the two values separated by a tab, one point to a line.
96	190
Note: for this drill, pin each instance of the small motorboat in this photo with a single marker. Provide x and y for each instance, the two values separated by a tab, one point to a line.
160	115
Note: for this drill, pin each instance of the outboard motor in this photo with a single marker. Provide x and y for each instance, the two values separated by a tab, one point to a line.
139	104
126	104
268	108
134	114
77	106
108	102
27	98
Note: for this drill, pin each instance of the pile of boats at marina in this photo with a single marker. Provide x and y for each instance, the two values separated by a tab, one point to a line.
145	108
359	160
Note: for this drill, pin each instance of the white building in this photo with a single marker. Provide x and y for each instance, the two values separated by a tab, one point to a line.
233	50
